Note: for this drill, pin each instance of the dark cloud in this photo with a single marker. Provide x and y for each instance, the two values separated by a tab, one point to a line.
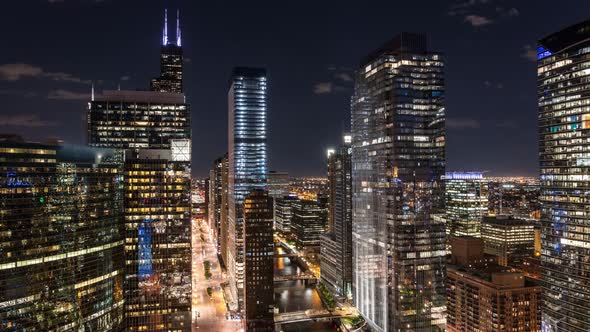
322	88
529	53
31	121
346	77
17	71
477	21
462	124
61	94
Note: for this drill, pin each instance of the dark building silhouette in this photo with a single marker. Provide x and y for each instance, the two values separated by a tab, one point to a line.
259	262
336	246
171	61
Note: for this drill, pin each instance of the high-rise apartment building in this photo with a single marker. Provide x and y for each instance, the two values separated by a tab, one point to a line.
247	161
283	214
483	296
61	229
512	240
336	246
258	262
171	60
564	123
307	224
466	195
398	164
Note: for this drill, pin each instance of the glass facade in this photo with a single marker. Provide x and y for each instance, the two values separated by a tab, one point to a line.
137	119
157	243
154	128
398	161
283	214
564	136
61	236
247	107
307	224
216	193
336	246
512	240
466	195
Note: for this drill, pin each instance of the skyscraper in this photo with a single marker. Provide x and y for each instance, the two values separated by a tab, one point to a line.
259	262
247	107
61	229
336	246
564	120
283	214
308	224
215	200
398	162
171	59
512	240
154	128
466	195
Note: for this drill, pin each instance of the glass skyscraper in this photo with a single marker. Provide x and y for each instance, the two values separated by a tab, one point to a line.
61	235
154	129
563	76
466	195
247	107
336	245
398	164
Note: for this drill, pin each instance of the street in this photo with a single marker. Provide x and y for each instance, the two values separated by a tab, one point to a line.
209	312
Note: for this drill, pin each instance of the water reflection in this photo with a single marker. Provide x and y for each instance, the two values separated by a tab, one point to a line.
295	296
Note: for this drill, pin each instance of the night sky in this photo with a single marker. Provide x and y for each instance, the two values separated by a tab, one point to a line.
53	49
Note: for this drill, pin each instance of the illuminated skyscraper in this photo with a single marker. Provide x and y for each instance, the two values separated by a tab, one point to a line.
307	224
170	79
259	262
512	240
216	192
466	196
398	161
61	235
336	246
155	129
247	107
564	133
283	213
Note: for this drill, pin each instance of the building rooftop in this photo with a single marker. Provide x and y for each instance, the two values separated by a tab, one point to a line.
141	96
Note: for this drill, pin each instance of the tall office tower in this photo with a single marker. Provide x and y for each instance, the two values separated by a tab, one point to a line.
155	127
170	79
215	198
283	214
138	120
279	184
466	195
564	120
398	162
224	227
483	296
512	240
336	246
307	224
258	264
158	242
247	106
61	218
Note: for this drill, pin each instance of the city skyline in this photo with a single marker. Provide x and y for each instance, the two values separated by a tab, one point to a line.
309	65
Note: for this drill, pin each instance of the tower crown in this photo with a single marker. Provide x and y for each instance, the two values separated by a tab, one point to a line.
165	40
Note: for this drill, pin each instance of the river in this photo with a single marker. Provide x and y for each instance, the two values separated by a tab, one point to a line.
295	296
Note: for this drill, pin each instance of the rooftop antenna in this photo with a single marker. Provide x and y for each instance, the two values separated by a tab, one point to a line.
165	36
178	39
92	92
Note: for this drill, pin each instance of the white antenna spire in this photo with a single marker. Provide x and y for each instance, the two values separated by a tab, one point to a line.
165	36
92	92
178	41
